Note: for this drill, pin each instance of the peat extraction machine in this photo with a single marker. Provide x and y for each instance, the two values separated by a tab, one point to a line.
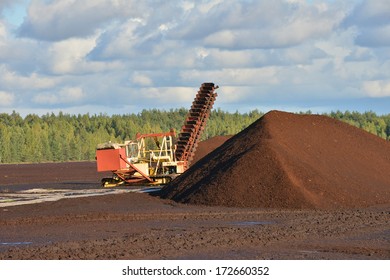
135	162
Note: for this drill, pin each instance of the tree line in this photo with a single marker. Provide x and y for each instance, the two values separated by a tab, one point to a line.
64	137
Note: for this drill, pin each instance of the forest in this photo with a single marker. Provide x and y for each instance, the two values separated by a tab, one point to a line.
64	137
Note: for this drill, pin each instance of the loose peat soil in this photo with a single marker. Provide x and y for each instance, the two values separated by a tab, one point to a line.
140	226
62	175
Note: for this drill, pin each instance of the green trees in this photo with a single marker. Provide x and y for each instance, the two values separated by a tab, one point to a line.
65	137
369	121
224	123
5	143
388	130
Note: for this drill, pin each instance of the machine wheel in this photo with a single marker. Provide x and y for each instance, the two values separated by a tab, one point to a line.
109	182
168	178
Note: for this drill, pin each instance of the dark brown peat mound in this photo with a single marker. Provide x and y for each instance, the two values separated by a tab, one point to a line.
285	160
207	146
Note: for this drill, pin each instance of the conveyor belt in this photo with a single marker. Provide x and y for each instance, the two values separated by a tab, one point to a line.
195	123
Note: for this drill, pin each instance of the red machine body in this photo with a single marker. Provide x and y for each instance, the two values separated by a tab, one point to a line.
110	159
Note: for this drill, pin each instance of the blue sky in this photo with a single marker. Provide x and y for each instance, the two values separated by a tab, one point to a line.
14	13
122	56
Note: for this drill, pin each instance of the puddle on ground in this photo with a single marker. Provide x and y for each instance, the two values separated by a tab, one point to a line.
253	223
309	251
149	190
32	196
15	243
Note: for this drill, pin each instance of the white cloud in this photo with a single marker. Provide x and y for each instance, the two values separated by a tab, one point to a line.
6	3
371	18
377	88
370	13
32	82
142	80
6	99
285	35
119	42
167	95
234	94
374	37
71	95
260	24
3	32
65	19
70	57
205	6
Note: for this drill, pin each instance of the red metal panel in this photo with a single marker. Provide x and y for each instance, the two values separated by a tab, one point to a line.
110	159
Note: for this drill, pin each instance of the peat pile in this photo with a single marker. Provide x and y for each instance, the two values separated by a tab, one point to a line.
207	146
285	160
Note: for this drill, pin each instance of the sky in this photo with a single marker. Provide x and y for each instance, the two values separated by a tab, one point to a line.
123	56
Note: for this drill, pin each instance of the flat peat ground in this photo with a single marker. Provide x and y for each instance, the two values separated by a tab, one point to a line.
143	226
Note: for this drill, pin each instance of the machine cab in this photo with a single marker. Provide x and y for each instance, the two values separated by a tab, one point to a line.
132	151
